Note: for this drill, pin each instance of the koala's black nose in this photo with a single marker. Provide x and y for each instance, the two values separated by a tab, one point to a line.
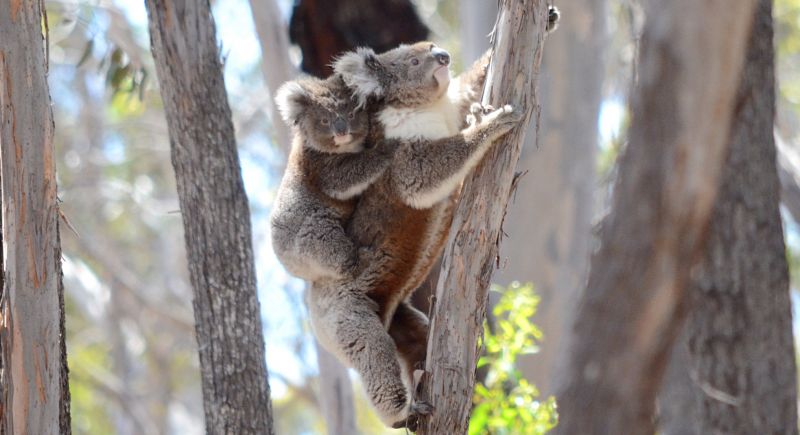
441	56
340	126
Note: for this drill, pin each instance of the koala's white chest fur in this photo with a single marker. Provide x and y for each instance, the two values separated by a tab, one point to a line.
436	121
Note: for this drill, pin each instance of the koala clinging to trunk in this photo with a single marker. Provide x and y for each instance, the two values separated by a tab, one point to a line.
404	216
329	165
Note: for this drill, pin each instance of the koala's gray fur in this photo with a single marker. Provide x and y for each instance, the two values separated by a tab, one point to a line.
328	167
404	216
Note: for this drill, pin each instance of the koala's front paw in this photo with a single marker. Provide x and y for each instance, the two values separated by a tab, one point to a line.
476	113
349	264
499	122
417	409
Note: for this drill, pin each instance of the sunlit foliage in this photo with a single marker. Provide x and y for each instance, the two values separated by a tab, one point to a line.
506	403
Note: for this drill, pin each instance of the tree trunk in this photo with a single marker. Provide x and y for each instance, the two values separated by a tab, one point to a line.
273	35
739	329
335	394
471	250
633	307
35	390
216	217
549	244
325	28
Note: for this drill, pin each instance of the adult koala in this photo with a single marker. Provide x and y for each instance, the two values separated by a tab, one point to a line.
404	216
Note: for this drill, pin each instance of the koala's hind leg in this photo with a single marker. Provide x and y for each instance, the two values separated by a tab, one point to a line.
409	330
346	323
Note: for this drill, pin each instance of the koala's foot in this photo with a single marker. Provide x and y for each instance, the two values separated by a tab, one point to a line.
416	410
553	15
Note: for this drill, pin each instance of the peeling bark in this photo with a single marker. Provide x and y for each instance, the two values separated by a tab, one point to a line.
35	391
216	217
471	250
634	303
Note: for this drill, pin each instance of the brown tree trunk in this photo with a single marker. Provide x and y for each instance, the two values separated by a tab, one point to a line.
470	253
633	307
325	28
35	390
739	329
549	219
216	217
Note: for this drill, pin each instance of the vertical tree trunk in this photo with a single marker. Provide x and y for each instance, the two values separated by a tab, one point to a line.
739	330
470	253
216	217
633	306
549	220
273	35
35	391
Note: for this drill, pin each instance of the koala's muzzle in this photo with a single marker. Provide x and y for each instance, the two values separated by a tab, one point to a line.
441	56
340	126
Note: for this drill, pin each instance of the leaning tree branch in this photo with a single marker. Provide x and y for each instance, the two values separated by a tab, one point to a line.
460	306
634	304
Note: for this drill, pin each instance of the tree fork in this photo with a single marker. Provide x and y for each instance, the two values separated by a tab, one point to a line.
472	247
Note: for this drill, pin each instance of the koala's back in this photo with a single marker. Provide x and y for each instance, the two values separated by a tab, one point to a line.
406	241
301	205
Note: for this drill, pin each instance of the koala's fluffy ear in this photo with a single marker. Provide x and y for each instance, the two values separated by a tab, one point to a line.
292	99
360	70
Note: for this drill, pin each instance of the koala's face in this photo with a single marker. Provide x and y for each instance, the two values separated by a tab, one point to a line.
407	76
325	113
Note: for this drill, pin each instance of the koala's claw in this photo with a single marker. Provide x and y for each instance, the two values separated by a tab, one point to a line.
412	421
553	15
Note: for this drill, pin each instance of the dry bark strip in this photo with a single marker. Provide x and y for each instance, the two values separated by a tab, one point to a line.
632	309
35	391
216	217
460	307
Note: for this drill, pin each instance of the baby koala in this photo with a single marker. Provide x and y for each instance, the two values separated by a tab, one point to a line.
330	163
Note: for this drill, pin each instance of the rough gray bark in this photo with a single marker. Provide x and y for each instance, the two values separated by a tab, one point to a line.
471	250
216	217
633	306
739	329
549	218
35	390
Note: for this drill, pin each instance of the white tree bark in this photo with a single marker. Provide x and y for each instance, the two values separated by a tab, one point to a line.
634	304
275	64
459	310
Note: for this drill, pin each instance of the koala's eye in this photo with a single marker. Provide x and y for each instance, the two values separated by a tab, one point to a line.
415	61
325	121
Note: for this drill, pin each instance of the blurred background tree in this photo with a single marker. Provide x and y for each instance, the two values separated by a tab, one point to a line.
131	349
